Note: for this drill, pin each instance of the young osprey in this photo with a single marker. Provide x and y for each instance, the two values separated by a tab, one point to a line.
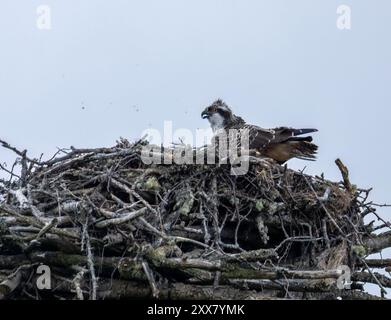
280	144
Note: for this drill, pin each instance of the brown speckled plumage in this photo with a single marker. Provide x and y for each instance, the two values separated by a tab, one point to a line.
280	144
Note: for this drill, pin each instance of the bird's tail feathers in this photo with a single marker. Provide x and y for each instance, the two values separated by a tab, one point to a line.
312	158
298	132
306	150
307	139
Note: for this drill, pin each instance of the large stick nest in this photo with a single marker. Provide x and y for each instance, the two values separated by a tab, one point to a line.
109	227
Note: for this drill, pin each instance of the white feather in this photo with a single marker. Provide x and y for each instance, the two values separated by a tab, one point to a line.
216	121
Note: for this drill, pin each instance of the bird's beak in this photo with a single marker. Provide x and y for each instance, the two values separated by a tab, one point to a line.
204	114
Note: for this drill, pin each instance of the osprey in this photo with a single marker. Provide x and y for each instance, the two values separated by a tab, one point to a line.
280	144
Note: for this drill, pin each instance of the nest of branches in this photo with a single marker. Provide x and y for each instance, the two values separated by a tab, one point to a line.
108	226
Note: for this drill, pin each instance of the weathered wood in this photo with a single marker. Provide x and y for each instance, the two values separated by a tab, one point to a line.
111	226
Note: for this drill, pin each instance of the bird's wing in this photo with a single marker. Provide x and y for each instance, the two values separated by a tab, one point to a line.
283	134
259	138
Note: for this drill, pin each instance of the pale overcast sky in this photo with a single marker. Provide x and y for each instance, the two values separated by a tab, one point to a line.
107	69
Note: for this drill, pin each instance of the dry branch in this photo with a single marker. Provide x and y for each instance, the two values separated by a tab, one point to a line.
110	226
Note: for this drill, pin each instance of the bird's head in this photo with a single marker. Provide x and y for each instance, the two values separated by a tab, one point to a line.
218	114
